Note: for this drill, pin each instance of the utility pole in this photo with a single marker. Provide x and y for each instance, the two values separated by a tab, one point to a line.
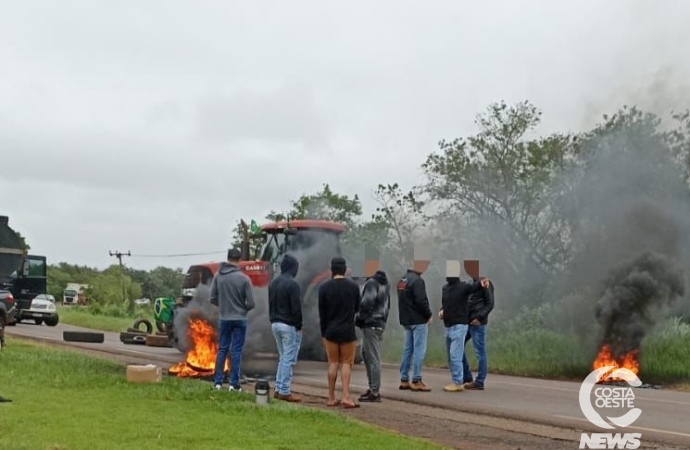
119	256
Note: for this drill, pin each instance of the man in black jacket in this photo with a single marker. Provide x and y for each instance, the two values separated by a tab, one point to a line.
415	316
481	303
372	318
285	314
454	313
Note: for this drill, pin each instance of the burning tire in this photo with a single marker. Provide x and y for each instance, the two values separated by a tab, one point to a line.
146	323
83	336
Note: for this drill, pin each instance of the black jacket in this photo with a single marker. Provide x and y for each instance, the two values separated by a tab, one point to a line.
376	302
455	301
339	300
481	303
284	295
413	304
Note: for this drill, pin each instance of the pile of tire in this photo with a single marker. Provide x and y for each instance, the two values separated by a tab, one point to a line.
136	336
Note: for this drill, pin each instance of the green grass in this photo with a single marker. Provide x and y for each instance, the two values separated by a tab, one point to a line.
82	317
665	358
67	401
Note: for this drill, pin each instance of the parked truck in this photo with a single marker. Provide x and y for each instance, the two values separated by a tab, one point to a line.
24	276
74	294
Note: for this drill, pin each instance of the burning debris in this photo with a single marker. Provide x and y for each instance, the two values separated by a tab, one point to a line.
634	296
197	336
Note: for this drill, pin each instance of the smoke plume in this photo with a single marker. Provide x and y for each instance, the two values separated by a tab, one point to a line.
632	302
199	307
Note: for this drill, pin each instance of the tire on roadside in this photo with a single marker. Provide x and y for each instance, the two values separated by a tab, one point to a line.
135	331
146	323
157	341
83	336
128	336
160	326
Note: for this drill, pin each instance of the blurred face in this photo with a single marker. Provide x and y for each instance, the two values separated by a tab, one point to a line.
472	267
420	265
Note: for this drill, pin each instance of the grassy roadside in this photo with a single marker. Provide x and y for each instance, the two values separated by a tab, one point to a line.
82	317
665	357
106	412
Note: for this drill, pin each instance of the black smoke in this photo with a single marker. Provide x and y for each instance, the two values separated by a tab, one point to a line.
635	297
199	307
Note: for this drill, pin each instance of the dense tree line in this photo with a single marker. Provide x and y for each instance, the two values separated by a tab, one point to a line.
106	287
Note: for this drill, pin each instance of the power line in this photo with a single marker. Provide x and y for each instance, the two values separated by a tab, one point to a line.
179	254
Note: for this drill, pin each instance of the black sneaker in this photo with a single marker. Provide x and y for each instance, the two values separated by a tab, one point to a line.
370	397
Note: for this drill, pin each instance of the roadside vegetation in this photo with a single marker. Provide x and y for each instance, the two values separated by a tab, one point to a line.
95	319
106	412
528	345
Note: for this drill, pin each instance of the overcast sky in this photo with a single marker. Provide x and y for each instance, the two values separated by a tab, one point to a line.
152	126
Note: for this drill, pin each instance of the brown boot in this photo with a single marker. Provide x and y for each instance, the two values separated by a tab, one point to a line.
405	385
419	386
289	398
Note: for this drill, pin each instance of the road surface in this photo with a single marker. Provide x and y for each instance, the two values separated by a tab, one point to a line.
665	413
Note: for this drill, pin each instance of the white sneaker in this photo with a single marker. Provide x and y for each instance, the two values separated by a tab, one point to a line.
234	389
217	387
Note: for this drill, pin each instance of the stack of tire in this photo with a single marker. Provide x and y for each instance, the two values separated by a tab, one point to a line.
136	336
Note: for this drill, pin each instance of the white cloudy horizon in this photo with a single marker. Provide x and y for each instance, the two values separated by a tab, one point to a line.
154	126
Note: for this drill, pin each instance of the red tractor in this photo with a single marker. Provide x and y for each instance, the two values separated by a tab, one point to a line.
314	243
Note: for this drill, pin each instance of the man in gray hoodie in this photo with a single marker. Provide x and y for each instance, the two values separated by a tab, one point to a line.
231	291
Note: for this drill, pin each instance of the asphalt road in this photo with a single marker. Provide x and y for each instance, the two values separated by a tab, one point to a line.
665	413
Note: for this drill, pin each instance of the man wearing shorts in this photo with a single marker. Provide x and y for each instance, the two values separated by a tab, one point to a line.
339	300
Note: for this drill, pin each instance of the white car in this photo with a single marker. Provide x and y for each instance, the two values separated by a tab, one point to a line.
42	310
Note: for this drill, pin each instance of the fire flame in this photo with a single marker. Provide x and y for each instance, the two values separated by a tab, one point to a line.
628	361
200	360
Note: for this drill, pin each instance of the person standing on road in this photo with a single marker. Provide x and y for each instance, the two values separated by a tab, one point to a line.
339	301
415	316
372	318
285	314
231	291
481	303
454	313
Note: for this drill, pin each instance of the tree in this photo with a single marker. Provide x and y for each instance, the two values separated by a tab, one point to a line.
500	179
402	216
25	246
327	205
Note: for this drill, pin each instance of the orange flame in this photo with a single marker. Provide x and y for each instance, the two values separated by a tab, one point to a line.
200	360
628	361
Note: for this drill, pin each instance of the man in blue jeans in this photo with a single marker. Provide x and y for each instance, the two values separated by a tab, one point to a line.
454	313
231	291
415	316
481	303
285	314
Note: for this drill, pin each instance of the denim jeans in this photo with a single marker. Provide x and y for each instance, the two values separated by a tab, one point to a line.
288	341
478	336
371	354
231	339
455	351
415	345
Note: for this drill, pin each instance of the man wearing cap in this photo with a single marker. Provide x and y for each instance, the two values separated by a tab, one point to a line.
372	318
231	291
339	301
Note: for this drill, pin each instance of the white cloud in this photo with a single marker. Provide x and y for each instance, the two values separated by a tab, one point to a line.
153	126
